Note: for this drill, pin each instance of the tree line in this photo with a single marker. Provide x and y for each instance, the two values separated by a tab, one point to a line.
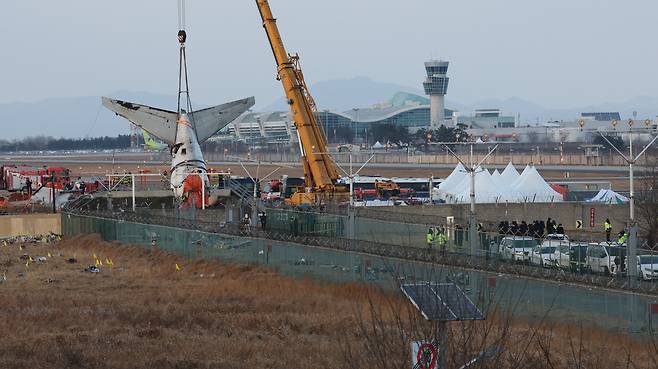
44	143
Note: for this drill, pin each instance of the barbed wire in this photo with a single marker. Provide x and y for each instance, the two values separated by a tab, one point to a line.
484	263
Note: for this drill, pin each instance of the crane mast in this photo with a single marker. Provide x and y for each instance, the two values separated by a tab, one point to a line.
320	171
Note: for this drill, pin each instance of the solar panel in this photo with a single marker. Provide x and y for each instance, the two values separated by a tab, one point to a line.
441	301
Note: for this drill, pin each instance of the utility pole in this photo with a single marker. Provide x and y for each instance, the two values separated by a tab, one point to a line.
632	224
53	193
471	168
351	216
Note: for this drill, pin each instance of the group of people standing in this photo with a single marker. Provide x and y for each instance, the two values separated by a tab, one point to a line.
537	229
436	236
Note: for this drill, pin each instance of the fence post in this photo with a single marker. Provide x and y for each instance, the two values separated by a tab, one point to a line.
132	180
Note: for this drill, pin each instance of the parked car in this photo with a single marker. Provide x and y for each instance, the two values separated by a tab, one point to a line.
517	248
553	237
546	256
576	259
647	266
607	259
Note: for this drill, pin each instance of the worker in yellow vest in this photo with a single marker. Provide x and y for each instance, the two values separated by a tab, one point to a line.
623	237
430	238
607	226
441	240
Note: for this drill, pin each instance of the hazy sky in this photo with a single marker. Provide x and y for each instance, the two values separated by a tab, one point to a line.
558	53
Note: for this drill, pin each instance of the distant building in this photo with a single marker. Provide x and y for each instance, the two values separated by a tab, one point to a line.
402	111
603	117
487	118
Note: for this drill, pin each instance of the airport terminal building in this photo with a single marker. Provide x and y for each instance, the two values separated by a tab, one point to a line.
414	112
278	127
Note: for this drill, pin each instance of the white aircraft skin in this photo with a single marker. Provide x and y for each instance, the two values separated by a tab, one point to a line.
186	157
183	133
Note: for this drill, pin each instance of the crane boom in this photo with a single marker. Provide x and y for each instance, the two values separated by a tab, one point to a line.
320	171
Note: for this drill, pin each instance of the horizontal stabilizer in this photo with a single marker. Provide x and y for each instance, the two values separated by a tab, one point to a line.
158	122
210	121
162	123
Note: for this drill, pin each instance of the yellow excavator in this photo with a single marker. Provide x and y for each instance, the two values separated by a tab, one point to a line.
320	170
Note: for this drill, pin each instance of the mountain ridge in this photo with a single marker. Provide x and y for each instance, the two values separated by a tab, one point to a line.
84	116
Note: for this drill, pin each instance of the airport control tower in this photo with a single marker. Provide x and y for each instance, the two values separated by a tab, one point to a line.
436	85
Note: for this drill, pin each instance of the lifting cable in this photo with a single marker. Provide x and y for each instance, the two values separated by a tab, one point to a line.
183	82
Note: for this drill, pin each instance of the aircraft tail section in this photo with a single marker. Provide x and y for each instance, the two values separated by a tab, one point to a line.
162	123
209	121
158	122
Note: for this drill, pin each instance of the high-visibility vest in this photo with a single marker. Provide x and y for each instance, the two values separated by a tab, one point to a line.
607	226
441	239
430	237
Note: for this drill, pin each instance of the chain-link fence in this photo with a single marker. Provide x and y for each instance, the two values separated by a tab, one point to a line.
339	260
557	258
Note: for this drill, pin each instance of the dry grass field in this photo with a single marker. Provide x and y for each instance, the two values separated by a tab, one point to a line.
140	312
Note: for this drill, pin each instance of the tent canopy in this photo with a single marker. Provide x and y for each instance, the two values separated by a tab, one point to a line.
487	190
454	179
533	188
609	197
508	186
509	175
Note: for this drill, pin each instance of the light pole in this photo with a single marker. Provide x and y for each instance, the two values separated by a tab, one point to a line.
471	168
632	224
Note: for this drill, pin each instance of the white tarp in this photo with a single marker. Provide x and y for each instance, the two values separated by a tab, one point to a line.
609	197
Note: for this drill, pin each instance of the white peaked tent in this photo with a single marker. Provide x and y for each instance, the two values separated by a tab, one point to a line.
465	182
533	188
486	190
509	175
524	174
495	177
508	186
609	197
454	179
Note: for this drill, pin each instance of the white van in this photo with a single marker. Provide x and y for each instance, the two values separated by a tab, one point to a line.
517	248
647	266
605	258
